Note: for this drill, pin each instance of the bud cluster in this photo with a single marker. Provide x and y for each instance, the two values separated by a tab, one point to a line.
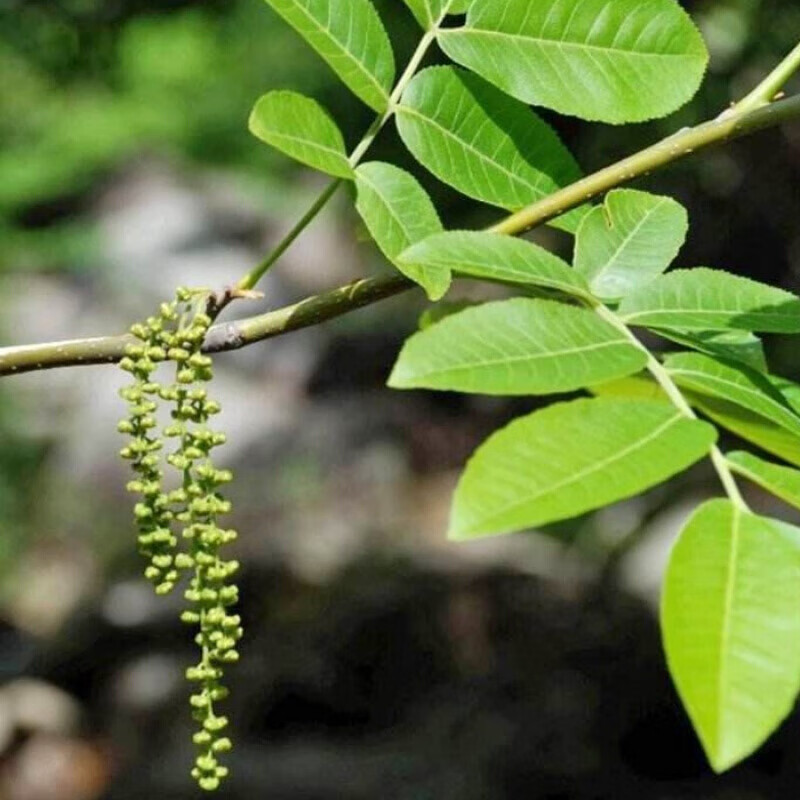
153	510
177	336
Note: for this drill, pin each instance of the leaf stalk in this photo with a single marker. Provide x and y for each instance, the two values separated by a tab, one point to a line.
670	388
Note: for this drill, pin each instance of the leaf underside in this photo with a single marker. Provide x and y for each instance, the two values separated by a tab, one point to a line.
516	347
398	212
629	240
571	458
495	257
709	299
730	619
299	127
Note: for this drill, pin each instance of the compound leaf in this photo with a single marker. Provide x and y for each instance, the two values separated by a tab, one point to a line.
608	60
301	128
350	36
398	212
628	241
516	347
708	299
496	257
733	383
571	458
730	618
482	143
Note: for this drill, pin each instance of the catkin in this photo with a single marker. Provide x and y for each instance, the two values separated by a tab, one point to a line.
194	508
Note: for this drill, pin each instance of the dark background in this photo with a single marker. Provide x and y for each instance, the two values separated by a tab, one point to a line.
379	660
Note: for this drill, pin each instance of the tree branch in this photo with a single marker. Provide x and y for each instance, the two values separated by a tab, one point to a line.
221	338
731	124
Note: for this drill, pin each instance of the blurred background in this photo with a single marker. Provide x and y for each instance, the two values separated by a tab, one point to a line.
379	660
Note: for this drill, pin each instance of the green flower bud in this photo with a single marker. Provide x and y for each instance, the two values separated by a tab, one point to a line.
223	745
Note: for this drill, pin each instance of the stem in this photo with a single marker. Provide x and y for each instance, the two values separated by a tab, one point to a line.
730	125
670	388
221	338
102	350
257	273
251	280
773	84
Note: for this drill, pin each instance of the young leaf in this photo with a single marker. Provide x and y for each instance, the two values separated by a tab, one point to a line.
571	458
607	60
730	618
630	240
516	347
350	36
482	143
782	481
708	299
741	346
496	257
398	212
734	383
299	127
751	427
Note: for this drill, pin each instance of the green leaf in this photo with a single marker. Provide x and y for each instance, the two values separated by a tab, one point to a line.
571	458
734	383
436	313
398	212
640	386
707	299
482	143
628	241
350	36
782	481
607	60
749	426
516	347
730	617
429	12
496	257
301	128
745	424
740	346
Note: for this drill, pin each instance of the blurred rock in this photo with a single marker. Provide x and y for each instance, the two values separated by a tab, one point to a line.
55	768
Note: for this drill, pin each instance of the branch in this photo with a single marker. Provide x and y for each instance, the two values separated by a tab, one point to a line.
314	310
221	338
769	89
729	125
